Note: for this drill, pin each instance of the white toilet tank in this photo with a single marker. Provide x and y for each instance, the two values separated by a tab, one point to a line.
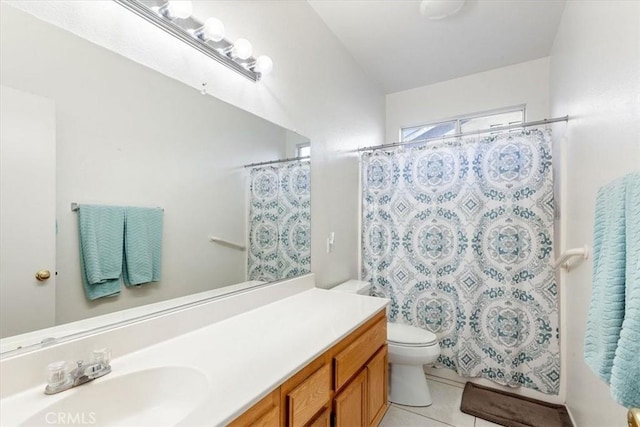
359	287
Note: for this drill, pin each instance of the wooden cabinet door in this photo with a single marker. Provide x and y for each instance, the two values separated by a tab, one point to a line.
309	397
323	420
377	371
350	405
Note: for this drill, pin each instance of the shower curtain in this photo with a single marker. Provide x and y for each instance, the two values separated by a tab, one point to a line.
459	236
279	222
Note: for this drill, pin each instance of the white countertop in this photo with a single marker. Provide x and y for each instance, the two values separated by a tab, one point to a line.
243	357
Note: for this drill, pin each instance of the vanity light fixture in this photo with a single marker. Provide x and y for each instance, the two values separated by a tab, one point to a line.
174	17
213	29
264	65
242	49
176	9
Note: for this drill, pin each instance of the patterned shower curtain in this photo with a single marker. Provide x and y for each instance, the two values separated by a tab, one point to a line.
279	222
459	236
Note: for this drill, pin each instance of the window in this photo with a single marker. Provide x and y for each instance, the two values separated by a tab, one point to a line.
463	124
303	150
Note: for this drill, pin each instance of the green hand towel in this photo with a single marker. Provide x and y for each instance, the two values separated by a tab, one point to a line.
142	245
101	241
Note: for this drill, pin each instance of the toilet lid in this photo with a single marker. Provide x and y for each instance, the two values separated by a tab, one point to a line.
409	335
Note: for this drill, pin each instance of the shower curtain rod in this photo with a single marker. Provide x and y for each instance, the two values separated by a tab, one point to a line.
475	132
291	159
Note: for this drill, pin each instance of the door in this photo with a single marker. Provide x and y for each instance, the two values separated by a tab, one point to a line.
350	404
27	211
377	370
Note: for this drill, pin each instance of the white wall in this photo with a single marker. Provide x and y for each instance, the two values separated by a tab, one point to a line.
127	135
595	79
525	83
316	89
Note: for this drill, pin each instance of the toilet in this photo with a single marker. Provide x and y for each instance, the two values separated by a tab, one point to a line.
409	349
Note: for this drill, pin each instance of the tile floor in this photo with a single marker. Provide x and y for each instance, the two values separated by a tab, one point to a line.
444	412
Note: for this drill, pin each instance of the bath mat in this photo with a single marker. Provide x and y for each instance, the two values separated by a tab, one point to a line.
511	410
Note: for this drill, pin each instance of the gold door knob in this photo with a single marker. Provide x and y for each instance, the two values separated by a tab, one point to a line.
43	275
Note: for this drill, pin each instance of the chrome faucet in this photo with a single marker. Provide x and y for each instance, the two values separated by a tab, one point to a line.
60	380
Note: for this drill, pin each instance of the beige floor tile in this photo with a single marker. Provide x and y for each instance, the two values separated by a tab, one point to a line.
396	417
458	384
484	423
445	407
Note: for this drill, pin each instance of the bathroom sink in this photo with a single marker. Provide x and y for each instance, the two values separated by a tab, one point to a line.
153	397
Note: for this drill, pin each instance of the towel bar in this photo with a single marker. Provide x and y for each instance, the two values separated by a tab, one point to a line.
75	207
568	254
227	243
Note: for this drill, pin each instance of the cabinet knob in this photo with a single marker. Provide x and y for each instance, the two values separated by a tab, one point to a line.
43	275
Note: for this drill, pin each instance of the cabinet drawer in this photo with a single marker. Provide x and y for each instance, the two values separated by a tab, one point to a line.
309	397
350	360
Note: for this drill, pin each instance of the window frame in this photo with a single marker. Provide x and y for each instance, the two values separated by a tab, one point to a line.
460	118
301	146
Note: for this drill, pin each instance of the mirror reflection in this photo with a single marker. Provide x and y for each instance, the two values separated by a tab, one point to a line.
84	125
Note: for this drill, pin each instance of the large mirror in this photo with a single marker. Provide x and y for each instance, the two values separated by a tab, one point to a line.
84	125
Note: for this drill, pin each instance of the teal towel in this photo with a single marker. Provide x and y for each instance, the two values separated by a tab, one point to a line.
625	375
612	339
101	239
606	311
142	245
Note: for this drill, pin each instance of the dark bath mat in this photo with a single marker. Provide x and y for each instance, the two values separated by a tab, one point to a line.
511	410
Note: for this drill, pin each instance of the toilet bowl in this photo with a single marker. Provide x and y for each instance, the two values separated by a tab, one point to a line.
409	349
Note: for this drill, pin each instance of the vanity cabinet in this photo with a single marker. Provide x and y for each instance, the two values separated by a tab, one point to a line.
363	402
265	413
323	420
346	384
350	405
377	386
310	397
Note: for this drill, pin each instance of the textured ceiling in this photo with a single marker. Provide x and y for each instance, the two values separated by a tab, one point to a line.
401	49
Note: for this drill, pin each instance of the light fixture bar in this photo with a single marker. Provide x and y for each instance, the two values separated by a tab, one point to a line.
175	30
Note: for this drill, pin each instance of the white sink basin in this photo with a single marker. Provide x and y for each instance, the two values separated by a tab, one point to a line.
153	397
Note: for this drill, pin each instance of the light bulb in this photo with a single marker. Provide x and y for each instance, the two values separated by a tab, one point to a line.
180	9
264	65
242	48
213	29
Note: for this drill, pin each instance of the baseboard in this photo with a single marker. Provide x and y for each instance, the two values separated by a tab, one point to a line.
573	420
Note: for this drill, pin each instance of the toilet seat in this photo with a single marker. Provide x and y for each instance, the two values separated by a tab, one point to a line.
410	336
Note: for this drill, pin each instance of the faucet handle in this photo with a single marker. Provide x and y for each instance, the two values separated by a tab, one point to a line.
101	356
57	375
